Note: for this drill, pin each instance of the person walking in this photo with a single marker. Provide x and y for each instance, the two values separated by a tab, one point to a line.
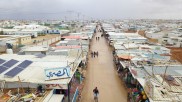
96	93
97	53
92	54
98	38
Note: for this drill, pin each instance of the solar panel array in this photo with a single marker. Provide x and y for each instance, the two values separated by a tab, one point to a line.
19	68
2	61
7	65
25	64
14	71
10	63
2	69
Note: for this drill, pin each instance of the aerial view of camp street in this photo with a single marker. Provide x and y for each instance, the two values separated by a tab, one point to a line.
90	50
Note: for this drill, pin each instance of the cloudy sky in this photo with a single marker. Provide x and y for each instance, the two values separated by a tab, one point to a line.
97	9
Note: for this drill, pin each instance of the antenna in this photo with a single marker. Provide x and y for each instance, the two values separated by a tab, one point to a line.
65	18
78	15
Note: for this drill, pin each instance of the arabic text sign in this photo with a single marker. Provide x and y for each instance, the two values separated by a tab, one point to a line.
57	73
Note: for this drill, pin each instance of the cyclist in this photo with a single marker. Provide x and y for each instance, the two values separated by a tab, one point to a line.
96	93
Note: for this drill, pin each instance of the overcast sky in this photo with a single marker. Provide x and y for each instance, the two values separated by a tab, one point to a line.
99	9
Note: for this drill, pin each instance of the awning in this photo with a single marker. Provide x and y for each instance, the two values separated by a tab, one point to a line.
127	57
134	72
56	98
123	64
141	81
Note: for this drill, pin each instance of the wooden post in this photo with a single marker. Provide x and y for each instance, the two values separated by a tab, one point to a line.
164	75
21	84
69	92
152	64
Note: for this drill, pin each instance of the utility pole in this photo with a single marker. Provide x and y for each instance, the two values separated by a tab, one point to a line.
83	17
164	74
70	14
65	18
78	15
152	64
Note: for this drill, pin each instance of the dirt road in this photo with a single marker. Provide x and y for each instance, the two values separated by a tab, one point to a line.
102	73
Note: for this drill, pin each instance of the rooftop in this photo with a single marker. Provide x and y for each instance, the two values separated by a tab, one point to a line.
39	65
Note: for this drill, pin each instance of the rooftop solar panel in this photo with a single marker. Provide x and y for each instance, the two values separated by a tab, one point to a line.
19	68
2	69
25	64
10	63
40	55
2	61
14	72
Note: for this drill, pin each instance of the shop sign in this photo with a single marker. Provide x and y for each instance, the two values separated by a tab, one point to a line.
57	73
56	86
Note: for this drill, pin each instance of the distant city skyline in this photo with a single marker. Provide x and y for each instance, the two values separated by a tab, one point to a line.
90	9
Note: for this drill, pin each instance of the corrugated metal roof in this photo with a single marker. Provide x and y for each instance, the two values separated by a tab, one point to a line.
68	47
171	70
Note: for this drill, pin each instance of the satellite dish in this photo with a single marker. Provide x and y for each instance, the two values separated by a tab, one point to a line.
9	45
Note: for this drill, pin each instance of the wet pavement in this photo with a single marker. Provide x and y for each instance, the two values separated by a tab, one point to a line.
102	73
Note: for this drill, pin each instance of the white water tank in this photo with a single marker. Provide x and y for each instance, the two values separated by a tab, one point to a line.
9	51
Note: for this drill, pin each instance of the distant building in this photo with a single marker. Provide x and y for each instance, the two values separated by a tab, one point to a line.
53	31
32	30
173	38
14	40
63	26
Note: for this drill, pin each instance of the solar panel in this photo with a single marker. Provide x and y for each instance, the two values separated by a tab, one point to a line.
2	69
19	68
40	55
10	63
25	64
2	61
14	72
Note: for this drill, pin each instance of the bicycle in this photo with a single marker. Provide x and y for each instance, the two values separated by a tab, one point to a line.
95	97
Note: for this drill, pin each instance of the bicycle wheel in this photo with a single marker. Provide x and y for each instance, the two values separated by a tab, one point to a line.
96	99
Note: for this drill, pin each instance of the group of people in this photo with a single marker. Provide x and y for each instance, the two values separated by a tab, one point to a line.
94	54
97	38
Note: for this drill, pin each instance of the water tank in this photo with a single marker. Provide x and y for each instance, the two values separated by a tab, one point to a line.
9	51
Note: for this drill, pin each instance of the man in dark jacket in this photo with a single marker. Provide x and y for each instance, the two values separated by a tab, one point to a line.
96	93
